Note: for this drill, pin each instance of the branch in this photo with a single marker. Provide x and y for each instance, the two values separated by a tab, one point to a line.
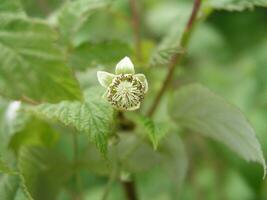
136	28
130	191
44	6
176	59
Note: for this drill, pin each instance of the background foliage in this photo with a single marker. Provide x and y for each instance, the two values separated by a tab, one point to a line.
59	140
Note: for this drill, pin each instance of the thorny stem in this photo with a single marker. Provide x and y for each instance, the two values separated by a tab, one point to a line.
176	59
136	28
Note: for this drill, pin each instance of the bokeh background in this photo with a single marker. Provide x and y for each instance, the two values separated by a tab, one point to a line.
227	53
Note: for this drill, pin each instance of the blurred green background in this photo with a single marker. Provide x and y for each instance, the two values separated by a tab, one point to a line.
227	53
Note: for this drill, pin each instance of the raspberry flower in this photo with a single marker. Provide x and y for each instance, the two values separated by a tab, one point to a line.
125	89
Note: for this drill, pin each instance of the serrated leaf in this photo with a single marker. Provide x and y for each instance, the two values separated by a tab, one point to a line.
236	5
94	116
154	130
101	53
170	43
169	46
31	64
197	108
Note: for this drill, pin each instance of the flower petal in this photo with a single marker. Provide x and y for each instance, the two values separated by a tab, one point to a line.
125	66
134	107
105	78
143	80
105	95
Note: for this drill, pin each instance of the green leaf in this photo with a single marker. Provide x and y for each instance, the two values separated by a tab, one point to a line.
74	14
174	160
11	6
197	108
169	46
35	132
8	187
101	53
170	43
43	172
94	116
11	188
236	5
32	66
154	130
134	154
4	168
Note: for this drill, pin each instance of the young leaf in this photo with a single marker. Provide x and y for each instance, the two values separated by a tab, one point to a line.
197	108
155	131
170	43
94	116
169	46
236	5
31	64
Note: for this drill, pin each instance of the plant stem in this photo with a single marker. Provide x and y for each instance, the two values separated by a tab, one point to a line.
176	59
136	28
111	181
128	186
129	189
44	6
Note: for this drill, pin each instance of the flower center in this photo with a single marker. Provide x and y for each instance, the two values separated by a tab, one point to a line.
125	92
125	87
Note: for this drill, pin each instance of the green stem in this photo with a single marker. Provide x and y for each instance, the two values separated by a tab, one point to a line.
128	186
176	59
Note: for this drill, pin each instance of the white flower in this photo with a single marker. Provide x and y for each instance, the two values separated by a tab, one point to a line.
125	89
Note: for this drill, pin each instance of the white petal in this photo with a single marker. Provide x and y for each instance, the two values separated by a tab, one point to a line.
12	110
125	66
134	108
105	95
105	78
142	78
